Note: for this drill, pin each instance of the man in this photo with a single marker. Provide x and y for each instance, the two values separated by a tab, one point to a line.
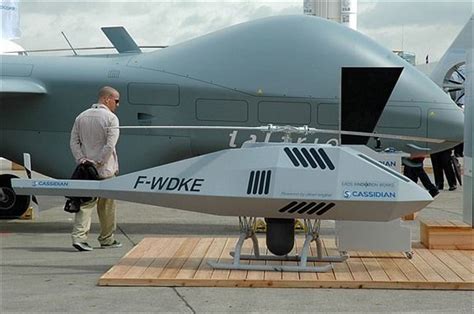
441	162
92	140
414	170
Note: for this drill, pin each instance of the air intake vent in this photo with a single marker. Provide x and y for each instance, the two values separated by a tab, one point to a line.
303	157
259	182
307	208
114	74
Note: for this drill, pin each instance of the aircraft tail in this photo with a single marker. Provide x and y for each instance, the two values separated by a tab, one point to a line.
455	55
53	187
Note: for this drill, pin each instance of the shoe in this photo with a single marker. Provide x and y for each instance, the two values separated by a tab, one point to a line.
114	244
433	193
452	188
440	187
82	246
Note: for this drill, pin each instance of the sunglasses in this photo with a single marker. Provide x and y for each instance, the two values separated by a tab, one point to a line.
116	101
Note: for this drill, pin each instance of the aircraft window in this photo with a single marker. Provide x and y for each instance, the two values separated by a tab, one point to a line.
284	112
401	117
221	110
328	114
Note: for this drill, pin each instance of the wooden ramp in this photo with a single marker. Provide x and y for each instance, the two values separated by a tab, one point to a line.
446	235
180	262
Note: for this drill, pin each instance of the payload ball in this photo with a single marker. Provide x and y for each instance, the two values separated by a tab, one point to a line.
280	235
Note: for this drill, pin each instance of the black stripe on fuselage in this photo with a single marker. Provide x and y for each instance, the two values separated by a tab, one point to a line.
364	95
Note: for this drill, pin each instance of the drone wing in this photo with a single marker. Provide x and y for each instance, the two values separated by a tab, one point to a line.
20	87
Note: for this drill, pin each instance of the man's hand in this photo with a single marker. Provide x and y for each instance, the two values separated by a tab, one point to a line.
84	160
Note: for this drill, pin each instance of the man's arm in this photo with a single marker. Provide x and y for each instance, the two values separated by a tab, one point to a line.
112	139
75	143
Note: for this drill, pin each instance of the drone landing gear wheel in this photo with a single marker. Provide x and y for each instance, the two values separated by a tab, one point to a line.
11	204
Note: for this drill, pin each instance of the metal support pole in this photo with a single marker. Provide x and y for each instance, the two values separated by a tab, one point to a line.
468	210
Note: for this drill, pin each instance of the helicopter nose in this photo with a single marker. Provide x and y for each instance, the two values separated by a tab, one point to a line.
446	123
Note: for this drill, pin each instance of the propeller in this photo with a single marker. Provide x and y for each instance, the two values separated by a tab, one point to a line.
460	99
454	83
461	75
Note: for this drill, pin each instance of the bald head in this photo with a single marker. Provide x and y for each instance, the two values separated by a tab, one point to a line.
107	91
109	97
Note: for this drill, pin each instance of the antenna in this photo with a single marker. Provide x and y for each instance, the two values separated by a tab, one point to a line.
72	48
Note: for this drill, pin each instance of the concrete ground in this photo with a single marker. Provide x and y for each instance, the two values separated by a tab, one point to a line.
41	272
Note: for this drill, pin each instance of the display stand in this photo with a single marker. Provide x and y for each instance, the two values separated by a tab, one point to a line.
375	236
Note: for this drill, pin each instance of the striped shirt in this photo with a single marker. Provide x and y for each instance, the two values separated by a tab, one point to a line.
91	139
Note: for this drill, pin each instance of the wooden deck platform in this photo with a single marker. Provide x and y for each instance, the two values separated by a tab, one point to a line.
446	235
183	262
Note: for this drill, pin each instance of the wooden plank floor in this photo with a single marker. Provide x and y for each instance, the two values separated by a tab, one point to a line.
183	262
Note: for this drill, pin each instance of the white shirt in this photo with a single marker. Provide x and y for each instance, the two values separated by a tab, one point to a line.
91	139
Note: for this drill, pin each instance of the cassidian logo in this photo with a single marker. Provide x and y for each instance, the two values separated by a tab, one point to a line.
50	183
368	194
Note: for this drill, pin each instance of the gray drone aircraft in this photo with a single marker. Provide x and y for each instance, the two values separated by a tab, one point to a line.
279	70
301	71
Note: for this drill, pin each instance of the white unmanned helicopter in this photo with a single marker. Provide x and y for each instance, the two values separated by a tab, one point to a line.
279	181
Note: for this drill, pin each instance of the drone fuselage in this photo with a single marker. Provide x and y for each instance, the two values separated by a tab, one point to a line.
281	70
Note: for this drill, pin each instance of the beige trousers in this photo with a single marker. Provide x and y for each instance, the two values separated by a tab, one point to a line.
82	222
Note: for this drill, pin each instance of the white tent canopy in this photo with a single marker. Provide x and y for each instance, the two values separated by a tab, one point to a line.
10	47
